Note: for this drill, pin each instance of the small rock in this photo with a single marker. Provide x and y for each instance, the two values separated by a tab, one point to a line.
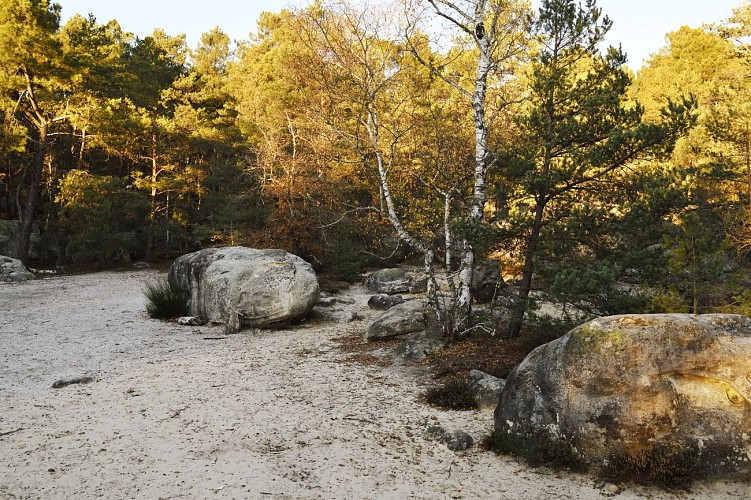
399	320
234	323
486	388
455	441
389	281
415	350
353	316
460	441
383	302
612	489
327	301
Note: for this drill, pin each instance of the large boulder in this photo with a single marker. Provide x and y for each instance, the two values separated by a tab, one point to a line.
263	287
668	391
13	270
398	321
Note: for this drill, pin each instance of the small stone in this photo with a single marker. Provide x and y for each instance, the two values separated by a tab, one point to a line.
327	301
460	441
612	489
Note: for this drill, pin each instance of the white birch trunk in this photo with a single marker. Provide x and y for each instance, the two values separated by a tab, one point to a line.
484	65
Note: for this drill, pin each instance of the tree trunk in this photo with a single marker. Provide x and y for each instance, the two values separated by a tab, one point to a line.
32	200
466	268
517	318
152	212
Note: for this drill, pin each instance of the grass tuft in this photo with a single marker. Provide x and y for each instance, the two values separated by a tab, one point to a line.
162	302
669	464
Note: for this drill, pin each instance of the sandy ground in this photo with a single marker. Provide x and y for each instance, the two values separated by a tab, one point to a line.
172	413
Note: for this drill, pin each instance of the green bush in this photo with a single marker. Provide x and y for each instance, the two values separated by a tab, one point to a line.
454	394
163	302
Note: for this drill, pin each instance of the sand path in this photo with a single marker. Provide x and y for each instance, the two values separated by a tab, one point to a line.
275	414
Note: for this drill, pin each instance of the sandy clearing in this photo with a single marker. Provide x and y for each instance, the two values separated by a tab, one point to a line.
275	414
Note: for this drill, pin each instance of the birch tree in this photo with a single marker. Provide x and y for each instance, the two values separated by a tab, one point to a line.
495	34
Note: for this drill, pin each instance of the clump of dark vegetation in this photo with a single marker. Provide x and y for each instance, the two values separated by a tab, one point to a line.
453	394
163	302
536	450
670	464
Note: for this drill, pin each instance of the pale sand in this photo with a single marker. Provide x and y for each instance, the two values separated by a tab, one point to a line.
275	414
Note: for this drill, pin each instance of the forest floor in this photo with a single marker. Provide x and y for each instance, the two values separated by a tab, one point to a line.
309	411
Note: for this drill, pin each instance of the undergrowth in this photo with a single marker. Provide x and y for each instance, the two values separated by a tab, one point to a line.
162	302
453	394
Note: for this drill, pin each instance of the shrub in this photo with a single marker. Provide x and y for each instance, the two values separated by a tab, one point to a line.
163	302
454	394
667	463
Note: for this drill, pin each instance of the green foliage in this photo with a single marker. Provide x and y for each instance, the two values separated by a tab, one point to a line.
344	258
668	301
578	134
696	259
98	218
480	234
453	394
163	302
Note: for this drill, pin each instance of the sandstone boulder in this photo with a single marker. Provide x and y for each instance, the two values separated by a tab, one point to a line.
390	281
13	270
667	390
486	280
261	287
400	320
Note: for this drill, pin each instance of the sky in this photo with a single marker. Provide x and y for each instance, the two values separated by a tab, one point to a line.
639	26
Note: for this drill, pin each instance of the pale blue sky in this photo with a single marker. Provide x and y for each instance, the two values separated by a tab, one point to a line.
639	25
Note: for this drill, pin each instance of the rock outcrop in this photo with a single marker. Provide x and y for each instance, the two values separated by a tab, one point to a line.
261	287
398	321
13	270
671	390
390	281
486	280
